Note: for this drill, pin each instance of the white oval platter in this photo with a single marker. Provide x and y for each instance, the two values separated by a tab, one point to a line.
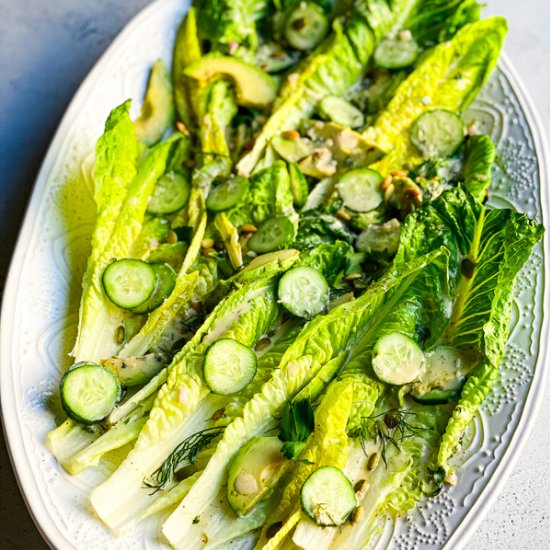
41	296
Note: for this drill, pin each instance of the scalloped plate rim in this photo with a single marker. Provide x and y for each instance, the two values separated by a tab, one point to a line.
15	440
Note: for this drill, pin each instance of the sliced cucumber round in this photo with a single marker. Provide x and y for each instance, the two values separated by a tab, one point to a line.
360	189
328	497
228	366
227	194
89	392
170	194
298	185
273	234
129	283
437	133
304	292
272	59
396	53
341	111
397	359
166	281
442	378
306	26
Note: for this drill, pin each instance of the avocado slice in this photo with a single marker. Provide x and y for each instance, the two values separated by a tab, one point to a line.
157	111
253	472
293	150
253	87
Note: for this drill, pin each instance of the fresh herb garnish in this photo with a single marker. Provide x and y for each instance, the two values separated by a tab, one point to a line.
296	425
188	449
388	428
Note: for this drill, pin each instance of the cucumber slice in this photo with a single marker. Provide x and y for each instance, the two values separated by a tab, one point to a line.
227	194
166	281
306	26
328	497
443	377
397	359
342	112
170	194
129	283
272	59
396	53
228	366
360	189
89	392
273	234
298	185
437	133
303	291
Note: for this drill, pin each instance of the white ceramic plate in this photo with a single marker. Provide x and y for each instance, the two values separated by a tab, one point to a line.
41	302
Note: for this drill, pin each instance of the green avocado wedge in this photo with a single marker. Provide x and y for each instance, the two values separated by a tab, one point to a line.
253	472
253	87
158	111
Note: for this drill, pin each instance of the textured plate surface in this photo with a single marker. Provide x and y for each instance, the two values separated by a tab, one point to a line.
41	304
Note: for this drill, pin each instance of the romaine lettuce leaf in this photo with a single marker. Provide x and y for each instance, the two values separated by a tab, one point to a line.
449	78
323	338
334	66
485	257
230	25
479	156
99	317
268	195
114	169
327	446
329	259
245	315
439	20
475	391
488	247
230	237
216	107
154	231
187	50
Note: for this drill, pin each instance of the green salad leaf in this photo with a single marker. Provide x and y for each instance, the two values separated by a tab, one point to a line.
448	78
479	157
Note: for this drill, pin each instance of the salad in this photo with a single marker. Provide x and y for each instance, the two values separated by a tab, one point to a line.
296	298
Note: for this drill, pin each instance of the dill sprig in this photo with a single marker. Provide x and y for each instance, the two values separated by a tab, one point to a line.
388	428
188	450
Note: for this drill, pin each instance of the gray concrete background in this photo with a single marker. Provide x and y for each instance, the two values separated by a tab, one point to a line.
46	50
